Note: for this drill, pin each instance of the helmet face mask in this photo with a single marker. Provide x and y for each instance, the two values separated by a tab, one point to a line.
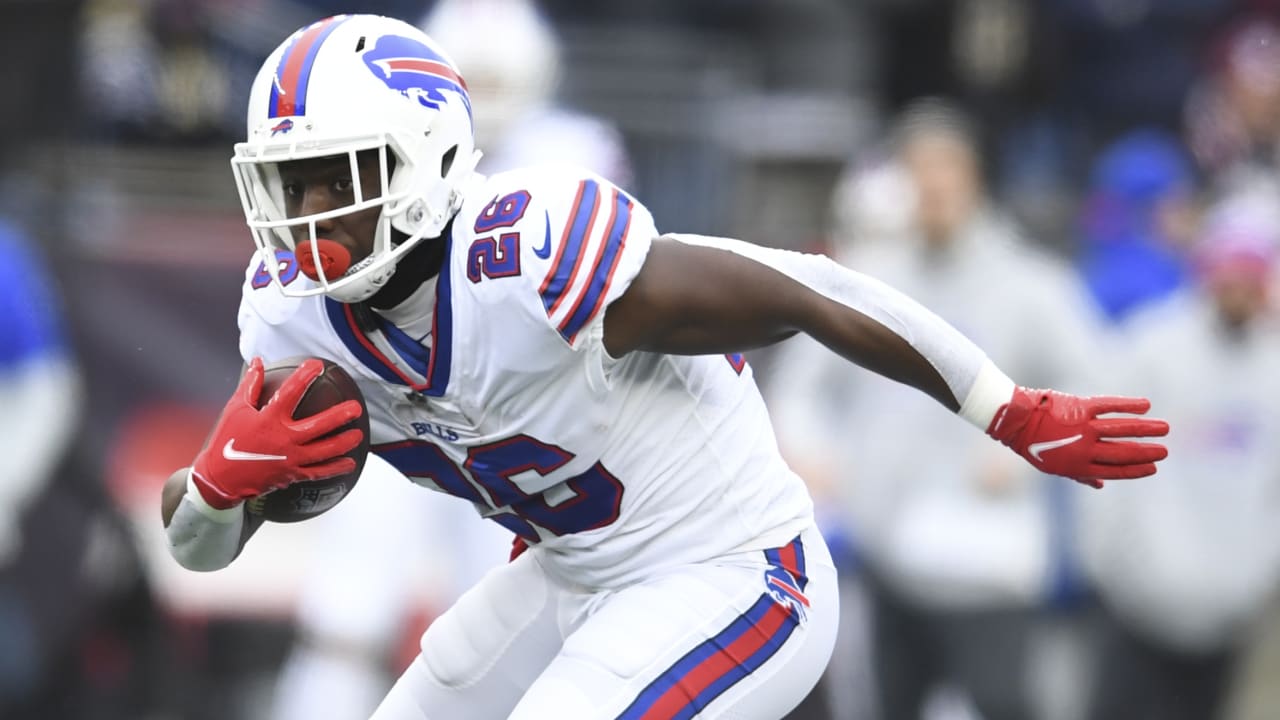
368	86
277	227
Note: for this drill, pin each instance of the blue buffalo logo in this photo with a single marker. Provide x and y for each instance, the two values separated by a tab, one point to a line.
415	70
283	126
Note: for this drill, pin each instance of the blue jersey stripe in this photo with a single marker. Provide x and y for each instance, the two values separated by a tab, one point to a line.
568	255
414	354
602	272
441	353
345	326
431	363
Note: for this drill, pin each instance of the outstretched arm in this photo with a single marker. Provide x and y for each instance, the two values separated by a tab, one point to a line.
698	295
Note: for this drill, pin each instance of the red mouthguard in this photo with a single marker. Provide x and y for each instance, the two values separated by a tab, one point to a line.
334	259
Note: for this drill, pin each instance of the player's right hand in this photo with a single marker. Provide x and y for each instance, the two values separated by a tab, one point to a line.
254	450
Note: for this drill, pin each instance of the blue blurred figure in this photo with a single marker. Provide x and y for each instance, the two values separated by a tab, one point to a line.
37	416
37	382
1132	221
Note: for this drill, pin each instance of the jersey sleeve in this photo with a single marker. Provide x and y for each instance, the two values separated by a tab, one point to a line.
595	240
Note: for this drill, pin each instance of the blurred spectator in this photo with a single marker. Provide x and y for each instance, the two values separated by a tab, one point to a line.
1233	115
38	382
38	397
1186	566
73	604
357	608
75	610
1135	222
958	551
874	202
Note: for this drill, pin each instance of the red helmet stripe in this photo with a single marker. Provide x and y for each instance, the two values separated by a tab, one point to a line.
289	88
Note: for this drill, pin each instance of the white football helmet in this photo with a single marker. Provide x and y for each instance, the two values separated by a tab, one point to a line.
347	84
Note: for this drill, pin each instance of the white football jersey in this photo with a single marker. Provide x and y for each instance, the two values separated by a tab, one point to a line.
499	390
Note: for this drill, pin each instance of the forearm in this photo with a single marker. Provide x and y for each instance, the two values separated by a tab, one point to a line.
201	537
882	329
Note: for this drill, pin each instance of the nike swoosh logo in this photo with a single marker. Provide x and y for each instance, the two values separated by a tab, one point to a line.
231	453
1035	449
544	252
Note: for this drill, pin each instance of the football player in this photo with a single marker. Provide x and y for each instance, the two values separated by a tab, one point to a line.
530	342
348	630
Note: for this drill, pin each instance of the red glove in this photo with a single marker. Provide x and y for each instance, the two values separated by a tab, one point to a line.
1063	435
253	451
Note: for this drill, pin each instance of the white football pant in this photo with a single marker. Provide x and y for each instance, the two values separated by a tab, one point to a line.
745	636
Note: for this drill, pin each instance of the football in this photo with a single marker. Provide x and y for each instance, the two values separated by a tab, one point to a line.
304	500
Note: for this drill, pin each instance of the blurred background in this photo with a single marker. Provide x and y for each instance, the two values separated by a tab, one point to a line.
1087	188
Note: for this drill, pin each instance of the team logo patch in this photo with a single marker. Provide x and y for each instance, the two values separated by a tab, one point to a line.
415	70
282	127
785	591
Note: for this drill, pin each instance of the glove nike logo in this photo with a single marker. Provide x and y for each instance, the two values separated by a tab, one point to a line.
231	453
1035	449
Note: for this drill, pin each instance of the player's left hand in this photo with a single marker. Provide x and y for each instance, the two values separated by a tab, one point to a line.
1062	434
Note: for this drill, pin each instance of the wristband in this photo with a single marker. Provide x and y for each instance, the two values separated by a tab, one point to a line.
218	515
991	390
